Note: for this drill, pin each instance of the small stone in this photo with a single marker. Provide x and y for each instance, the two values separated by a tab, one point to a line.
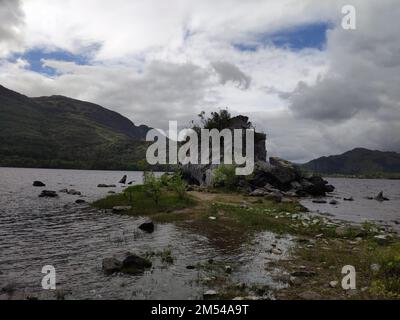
333	284
213	218
228	269
80	201
375	267
190	267
382	239
276	251
334	202
210	294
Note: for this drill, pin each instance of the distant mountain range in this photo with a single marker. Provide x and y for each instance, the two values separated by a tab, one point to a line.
59	132
357	162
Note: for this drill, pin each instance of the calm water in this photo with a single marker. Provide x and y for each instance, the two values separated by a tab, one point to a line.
75	238
362	209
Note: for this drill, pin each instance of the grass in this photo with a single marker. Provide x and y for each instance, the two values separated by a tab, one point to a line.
143	205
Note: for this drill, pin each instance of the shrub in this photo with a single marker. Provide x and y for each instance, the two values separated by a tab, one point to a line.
225	176
177	184
153	186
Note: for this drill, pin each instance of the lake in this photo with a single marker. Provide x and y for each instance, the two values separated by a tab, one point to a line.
361	209
73	238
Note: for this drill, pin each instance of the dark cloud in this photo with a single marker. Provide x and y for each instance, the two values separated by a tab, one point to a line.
11	20
228	72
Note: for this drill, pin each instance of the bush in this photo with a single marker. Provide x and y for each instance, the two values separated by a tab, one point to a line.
153	186
177	184
225	176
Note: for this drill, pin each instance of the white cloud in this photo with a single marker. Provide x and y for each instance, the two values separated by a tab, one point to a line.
159	60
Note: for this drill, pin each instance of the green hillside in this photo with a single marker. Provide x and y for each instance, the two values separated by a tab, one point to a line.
59	132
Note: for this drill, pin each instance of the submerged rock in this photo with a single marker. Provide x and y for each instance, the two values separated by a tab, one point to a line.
106	185
111	265
74	192
48	194
38	184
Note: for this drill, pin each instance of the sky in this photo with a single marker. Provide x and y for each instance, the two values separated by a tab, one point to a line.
315	88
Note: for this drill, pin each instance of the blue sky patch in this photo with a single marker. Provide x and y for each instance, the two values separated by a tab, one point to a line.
35	57
311	36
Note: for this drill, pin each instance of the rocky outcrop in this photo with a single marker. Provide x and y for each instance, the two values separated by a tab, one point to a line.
275	178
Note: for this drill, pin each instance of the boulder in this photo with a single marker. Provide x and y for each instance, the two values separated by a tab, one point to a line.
380	197
147	226
38	184
123	180
48	194
111	265
134	264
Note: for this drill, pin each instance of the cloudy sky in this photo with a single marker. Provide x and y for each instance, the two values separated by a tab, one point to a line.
313	87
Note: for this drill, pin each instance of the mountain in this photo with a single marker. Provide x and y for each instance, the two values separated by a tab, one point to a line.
60	132
357	162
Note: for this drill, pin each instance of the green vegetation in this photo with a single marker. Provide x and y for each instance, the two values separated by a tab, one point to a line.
157	197
225	177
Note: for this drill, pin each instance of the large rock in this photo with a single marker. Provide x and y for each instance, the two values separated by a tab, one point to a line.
134	264
148	226
123	180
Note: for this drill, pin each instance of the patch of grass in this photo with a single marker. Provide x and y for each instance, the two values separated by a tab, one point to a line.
142	204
